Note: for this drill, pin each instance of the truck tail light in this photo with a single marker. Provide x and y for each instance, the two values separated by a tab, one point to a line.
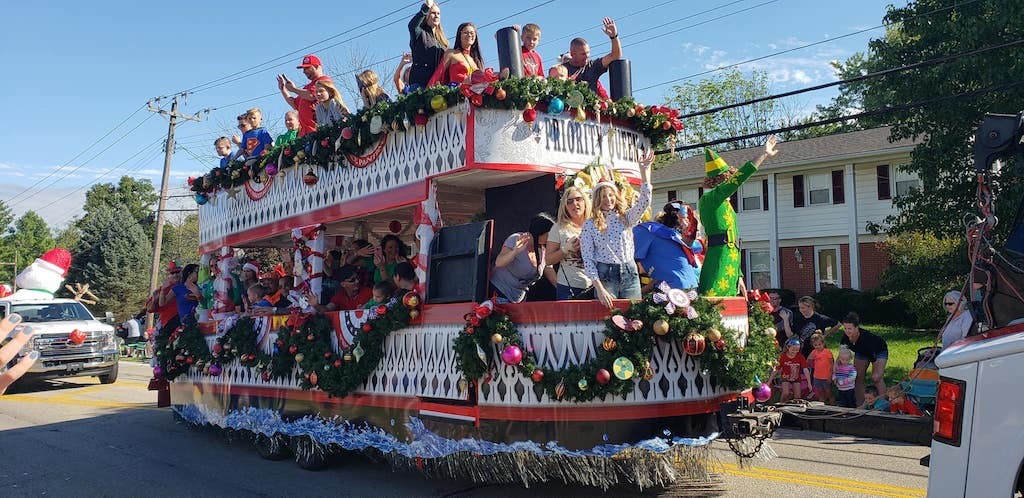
949	411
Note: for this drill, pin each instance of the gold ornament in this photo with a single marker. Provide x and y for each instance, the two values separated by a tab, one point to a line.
660	327
770	332
609	344
497	338
648	372
583	385
299	357
714	335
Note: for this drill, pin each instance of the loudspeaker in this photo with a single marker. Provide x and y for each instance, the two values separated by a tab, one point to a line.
459	263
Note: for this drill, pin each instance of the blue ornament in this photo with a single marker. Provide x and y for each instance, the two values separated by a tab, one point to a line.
556	106
201	199
697	247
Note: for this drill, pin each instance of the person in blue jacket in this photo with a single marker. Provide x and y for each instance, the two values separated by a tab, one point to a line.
663	247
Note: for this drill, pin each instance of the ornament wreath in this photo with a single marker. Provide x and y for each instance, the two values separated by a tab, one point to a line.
626	349
326	146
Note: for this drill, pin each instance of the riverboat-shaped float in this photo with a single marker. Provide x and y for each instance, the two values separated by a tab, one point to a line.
443	380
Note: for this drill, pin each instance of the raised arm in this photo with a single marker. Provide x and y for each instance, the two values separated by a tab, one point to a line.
281	85
414	24
397	78
613	34
769	151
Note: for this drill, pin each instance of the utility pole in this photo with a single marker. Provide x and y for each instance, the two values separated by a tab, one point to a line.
173	117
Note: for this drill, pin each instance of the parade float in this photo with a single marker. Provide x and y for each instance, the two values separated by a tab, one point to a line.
442	379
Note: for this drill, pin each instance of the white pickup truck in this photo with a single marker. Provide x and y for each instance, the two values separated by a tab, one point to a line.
93	351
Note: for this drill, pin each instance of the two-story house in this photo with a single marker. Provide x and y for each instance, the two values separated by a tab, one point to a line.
803	216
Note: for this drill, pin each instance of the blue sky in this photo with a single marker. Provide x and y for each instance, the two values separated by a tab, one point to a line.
75	70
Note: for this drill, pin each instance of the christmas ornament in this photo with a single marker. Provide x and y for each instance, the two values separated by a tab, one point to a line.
720	344
581	115
463	386
529	114
217	348
347	357
763	392
201	199
158	372
511	355
648	372
347	133
310	337
609	344
770	332
313	378
623	368
622	323
480	354
555	106
500	94
337	363
496	338
694	344
327	355
583	385
413	314
411	299
714	335
265	375
603	376
421	119
292	349
660	327
366	327
357	352
310	178
395	226
299	357
376	124
538	375
77	337
574	99
438	104
560	389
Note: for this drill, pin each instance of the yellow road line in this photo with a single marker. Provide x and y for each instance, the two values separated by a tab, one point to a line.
841	484
68	400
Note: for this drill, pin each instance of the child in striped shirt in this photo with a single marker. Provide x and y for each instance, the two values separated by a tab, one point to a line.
845	375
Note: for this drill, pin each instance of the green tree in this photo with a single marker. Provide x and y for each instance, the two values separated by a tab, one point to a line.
928	29
181	241
729	87
925	267
137	196
31	236
113	256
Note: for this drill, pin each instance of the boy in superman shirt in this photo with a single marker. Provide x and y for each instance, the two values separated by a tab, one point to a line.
257	140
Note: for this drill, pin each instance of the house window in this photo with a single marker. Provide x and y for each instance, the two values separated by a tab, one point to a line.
882	176
671	195
903	187
827	272
759	275
818	187
750	196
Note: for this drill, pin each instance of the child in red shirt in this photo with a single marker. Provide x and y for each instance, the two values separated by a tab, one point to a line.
898	403
532	63
791	363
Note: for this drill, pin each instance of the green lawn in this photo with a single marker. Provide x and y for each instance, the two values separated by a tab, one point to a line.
903	345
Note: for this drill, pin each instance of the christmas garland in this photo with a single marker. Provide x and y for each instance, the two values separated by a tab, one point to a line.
665	315
180	350
356	134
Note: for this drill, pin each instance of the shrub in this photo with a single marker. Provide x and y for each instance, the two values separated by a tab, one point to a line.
873	306
924	267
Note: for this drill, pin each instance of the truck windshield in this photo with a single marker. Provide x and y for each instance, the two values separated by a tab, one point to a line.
51	312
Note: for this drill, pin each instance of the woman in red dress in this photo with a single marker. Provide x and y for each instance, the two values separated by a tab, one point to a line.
461	61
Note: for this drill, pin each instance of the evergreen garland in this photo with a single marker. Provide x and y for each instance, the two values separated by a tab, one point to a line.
180	350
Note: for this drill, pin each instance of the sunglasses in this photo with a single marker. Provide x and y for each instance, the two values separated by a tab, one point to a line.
573	200
949	304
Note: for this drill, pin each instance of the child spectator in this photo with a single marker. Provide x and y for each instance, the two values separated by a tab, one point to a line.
257	295
223	147
558	72
872	401
405	278
257	140
401	76
329	108
845	375
791	363
899	403
821	361
369	88
291	122
382	292
532	63
243	126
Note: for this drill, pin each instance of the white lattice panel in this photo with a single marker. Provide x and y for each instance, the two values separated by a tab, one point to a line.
408	157
503	137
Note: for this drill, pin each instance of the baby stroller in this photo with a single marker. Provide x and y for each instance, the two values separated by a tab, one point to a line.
924	379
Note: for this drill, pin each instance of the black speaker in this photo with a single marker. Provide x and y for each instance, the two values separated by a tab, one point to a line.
459	263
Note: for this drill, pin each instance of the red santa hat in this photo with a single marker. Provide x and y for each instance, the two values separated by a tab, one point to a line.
47	272
253	266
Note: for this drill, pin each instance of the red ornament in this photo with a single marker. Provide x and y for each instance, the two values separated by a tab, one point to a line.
694	344
500	94
382	309
530	115
265	375
310	178
189	360
337	363
279	343
603	376
538	375
720	344
327	355
77	337
293	349
421	119
324	143
477	100
411	299
310	337
288	152
217	348
469	329
395	226
367	327
313	378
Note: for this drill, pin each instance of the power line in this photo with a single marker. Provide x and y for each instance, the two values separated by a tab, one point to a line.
617	18
87	149
886	72
876	112
781	52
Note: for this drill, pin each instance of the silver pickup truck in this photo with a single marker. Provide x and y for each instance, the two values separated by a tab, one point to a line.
70	341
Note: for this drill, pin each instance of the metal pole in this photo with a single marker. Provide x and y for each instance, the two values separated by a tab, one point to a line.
154	274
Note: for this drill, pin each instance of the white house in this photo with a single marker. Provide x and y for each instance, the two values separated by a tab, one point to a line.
803	216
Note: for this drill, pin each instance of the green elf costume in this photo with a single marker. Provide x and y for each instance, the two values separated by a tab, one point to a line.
721	271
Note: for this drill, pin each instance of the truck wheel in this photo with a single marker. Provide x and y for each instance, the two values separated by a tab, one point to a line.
110	377
272	447
309	454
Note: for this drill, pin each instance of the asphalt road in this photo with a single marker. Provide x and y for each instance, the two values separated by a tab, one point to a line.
79	438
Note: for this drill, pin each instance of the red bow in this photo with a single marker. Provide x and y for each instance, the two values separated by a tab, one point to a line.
756	296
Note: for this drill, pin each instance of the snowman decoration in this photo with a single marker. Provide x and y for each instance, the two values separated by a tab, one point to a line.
44	276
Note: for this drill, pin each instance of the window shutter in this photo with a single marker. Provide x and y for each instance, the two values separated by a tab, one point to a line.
700	192
798	191
838	188
734	199
882	172
764	194
671	195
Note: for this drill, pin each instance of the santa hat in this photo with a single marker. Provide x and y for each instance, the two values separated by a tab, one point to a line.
253	266
47	272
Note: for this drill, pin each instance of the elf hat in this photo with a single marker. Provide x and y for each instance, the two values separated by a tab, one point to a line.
172	267
713	165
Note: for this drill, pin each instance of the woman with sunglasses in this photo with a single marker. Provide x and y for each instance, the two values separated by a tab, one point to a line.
563	247
663	246
959	321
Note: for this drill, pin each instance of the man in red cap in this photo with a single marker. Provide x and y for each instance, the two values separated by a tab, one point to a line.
304	101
